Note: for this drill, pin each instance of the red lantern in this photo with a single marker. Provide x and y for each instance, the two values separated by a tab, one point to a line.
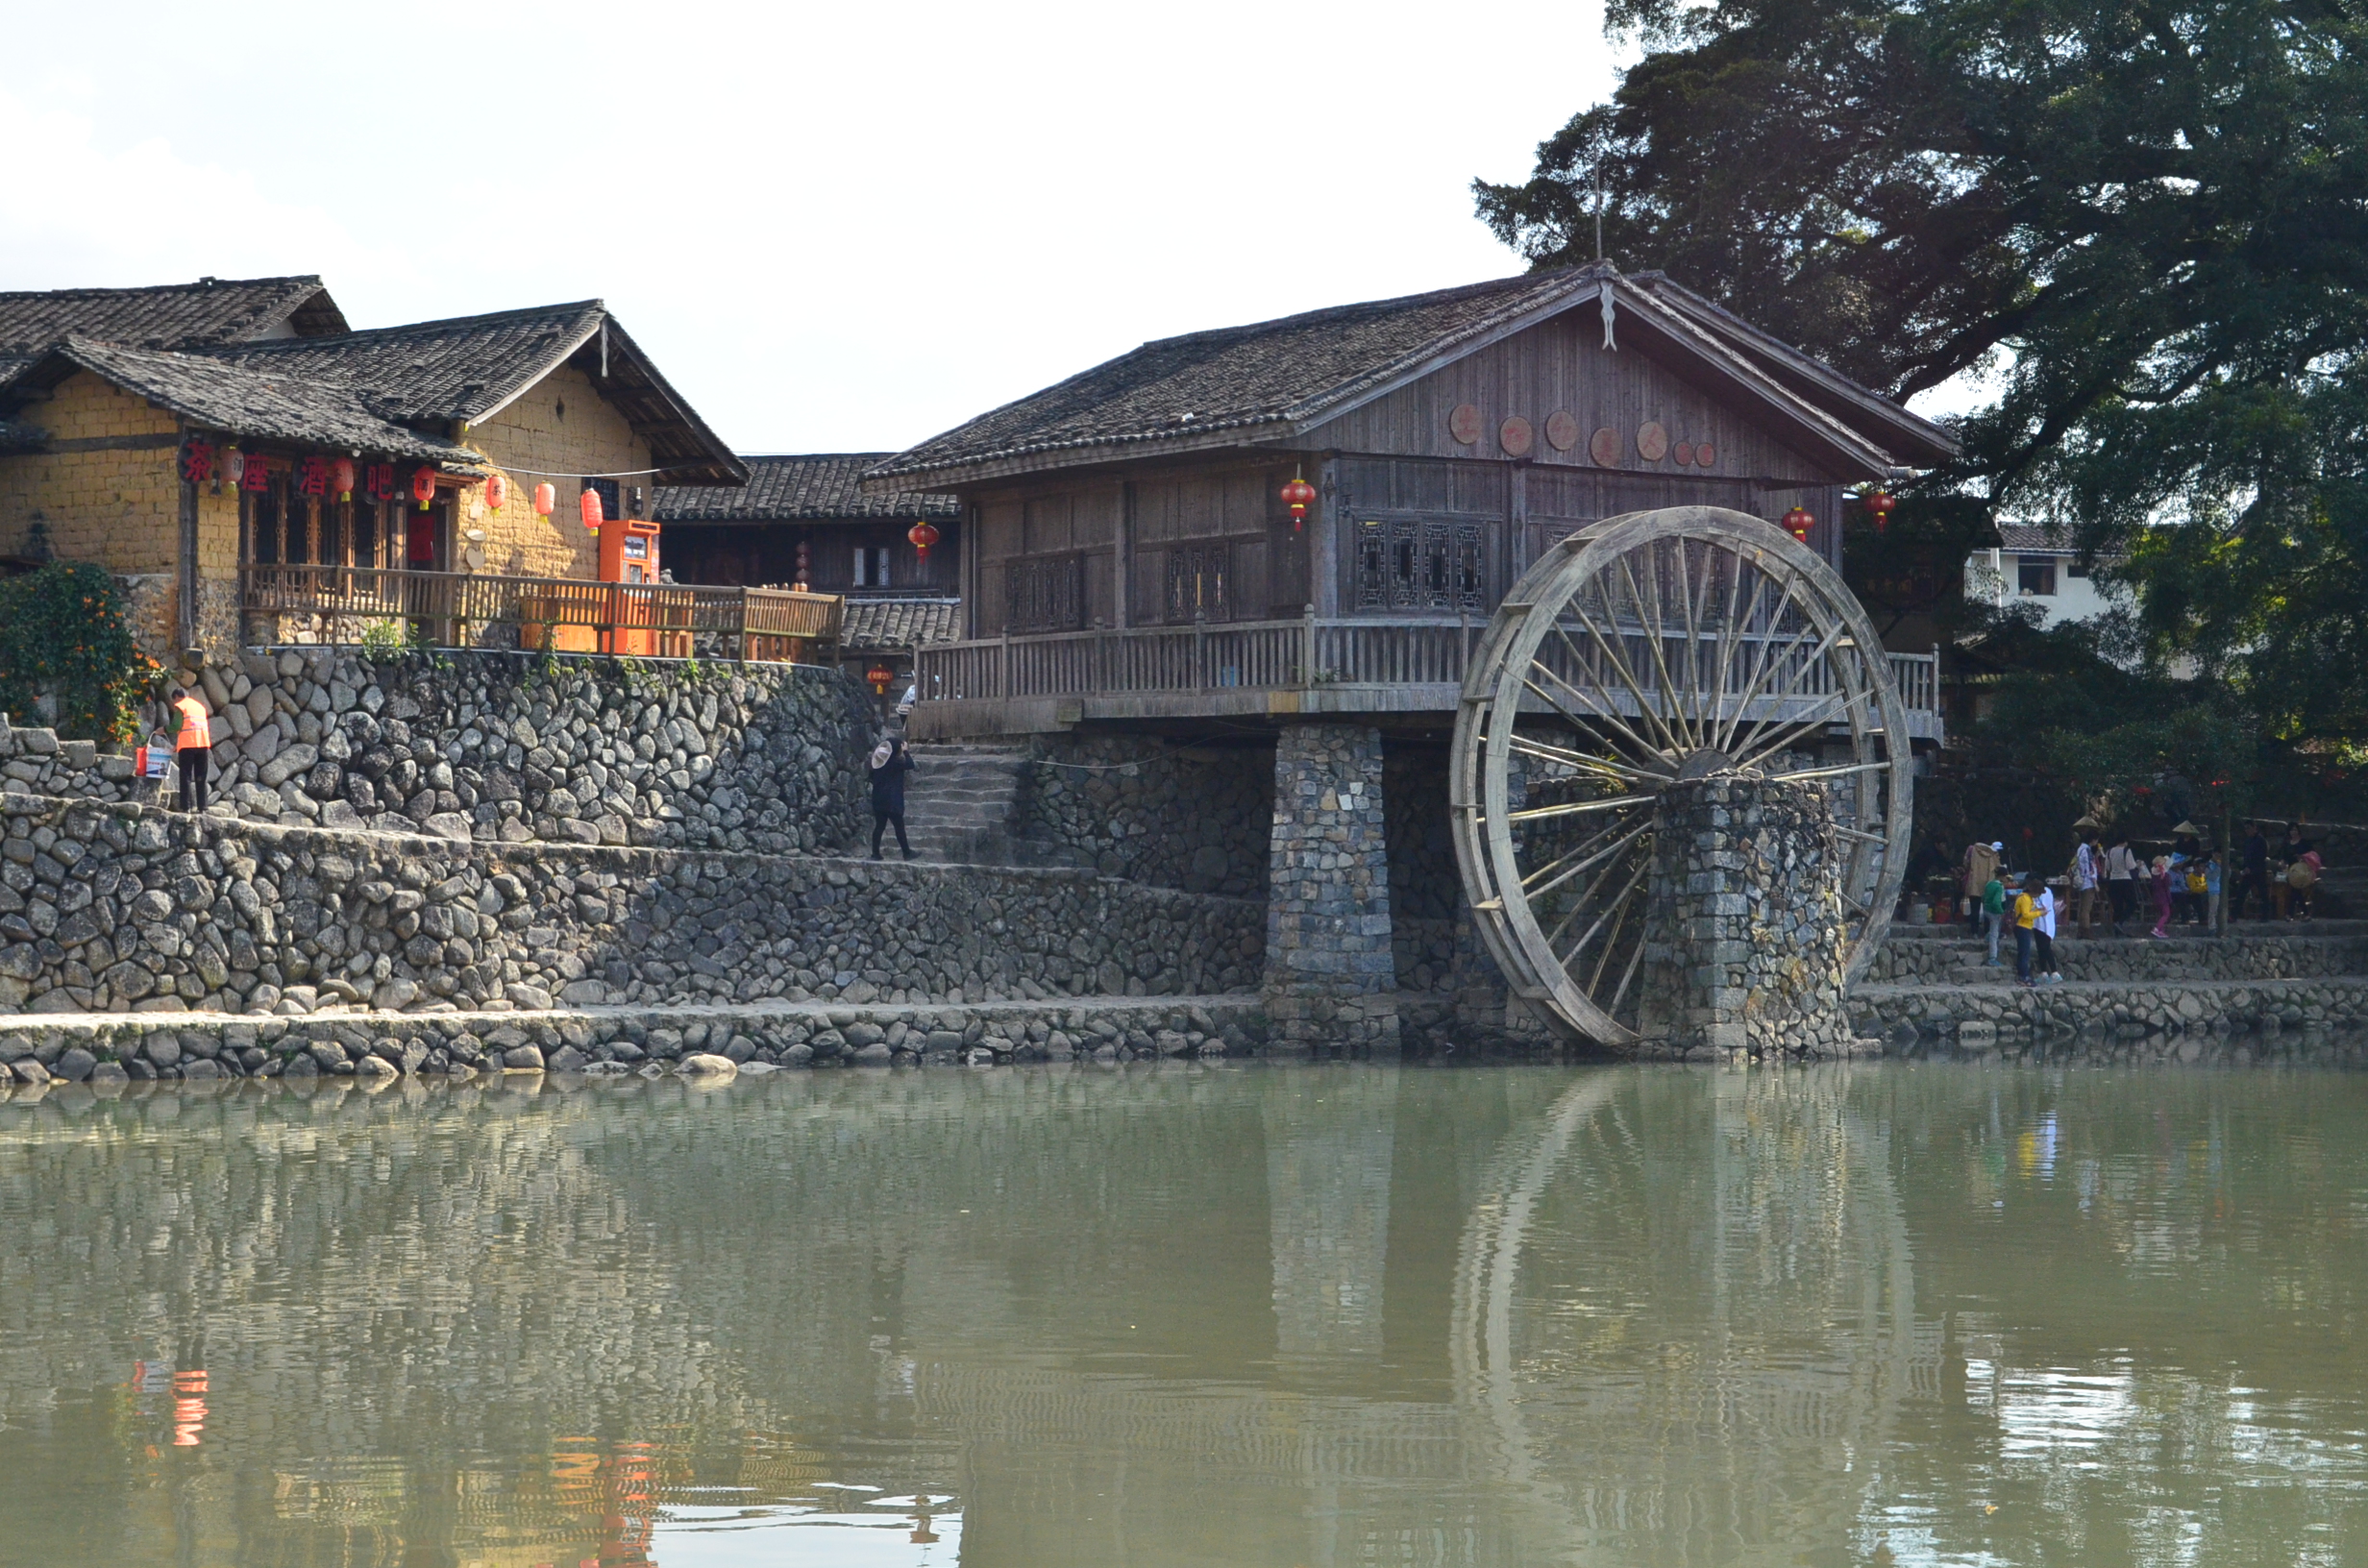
496	493
1299	495
341	477
544	498
1880	504
1799	522
589	505
423	485
879	675
923	536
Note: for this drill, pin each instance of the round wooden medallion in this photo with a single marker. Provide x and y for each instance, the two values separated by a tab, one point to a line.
1562	430
1516	436
1683	451
1704	454
1652	441
1604	447
1465	422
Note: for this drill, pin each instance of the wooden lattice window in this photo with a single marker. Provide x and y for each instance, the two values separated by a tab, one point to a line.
1046	594
1196	585
1408	563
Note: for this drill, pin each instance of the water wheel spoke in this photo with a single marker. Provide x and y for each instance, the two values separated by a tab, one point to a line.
1839	772
1636	962
1572	808
1530	748
1860	834
1655	635
1726	639
1796	671
1619	902
1541	890
1766	645
1801	728
1643	750
1647	707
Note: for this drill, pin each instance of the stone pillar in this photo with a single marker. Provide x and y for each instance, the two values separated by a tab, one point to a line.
1744	933
1330	975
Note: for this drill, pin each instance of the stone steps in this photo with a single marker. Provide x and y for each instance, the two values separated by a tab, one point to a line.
962	806
37	1052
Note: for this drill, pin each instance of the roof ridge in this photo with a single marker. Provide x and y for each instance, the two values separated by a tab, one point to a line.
490	318
198	285
1597	270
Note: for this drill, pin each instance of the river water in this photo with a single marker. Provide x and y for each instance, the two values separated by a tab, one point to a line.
1905	1312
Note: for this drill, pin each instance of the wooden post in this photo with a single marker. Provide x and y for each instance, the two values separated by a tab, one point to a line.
188	606
1307	646
1123	561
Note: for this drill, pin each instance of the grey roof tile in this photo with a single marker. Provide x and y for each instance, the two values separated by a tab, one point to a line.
166	316
459	369
900	623
810	486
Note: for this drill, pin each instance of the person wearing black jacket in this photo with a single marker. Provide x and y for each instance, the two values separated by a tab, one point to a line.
2254	881
889	766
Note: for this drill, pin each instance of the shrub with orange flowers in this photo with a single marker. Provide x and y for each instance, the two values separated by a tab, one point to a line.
63	629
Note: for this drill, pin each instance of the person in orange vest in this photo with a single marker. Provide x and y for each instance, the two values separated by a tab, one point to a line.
193	749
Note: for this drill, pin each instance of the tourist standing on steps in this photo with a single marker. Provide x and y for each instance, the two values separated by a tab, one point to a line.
2087	868
2044	934
889	766
2026	917
1993	913
2163	897
2254	879
2120	882
193	750
1980	865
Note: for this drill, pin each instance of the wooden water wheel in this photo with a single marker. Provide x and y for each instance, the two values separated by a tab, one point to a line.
1641	650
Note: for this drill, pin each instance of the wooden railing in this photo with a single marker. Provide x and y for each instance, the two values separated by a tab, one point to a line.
282	604
1272	654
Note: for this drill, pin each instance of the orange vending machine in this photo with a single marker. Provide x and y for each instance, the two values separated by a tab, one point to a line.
629	555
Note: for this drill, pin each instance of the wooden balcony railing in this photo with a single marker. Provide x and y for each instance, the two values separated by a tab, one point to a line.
298	604
1271	655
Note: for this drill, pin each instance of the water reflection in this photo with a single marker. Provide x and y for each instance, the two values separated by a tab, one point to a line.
1200	1314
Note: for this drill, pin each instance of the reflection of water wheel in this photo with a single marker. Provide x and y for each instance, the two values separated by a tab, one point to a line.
1644	649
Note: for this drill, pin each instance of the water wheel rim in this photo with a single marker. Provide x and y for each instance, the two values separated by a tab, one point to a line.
1498	682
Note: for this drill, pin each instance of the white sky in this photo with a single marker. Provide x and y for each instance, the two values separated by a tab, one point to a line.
834	227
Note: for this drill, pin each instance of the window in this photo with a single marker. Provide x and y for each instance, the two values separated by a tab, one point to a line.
263	525
1044	595
1421	564
2074	569
2035	573
612	503
1196	587
871	566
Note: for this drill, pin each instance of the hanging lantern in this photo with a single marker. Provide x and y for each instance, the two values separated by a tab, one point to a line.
1799	522
804	582
423	485
234	470
341	477
1878	505
589	505
879	675
1299	495
197	461
923	536
497	492
544	498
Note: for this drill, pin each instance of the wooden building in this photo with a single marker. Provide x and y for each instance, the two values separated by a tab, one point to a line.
188	438
1131	557
804	518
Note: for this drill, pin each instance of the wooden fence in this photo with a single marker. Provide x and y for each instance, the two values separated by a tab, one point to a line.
284	604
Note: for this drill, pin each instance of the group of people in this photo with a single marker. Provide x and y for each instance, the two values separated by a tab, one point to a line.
2182	887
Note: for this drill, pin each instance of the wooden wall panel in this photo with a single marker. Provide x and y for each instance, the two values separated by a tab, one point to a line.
1561	364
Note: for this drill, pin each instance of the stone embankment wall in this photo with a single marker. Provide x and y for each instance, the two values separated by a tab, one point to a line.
35	1051
115	907
511	749
1188	816
2273	954
1902	1015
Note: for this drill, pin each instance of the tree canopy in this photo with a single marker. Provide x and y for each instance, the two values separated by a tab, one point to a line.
2141	230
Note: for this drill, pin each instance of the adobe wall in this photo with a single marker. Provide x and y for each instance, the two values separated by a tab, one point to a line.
513	748
129	908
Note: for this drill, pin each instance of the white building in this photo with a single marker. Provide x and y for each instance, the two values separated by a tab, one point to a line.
2034	568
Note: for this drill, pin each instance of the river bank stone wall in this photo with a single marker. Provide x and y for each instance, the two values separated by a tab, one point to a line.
1330	969
511	749
128	907
1743	937
1902	1014
1137	806
2268	952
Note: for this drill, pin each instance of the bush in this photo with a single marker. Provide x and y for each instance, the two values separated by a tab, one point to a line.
63	631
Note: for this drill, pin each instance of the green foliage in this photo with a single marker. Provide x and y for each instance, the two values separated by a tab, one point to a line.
382	641
2134	235
63	628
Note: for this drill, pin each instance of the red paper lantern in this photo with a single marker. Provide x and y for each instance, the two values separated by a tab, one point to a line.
1299	495
1879	504
496	493
589	505
1799	522
544	498
923	536
233	466
423	485
879	675
341	477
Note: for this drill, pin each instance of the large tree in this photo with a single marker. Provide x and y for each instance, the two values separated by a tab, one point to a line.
2140	231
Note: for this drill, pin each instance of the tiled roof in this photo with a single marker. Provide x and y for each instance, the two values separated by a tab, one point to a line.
1270	372
2034	538
460	369
811	486
219	396
169	317
900	623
